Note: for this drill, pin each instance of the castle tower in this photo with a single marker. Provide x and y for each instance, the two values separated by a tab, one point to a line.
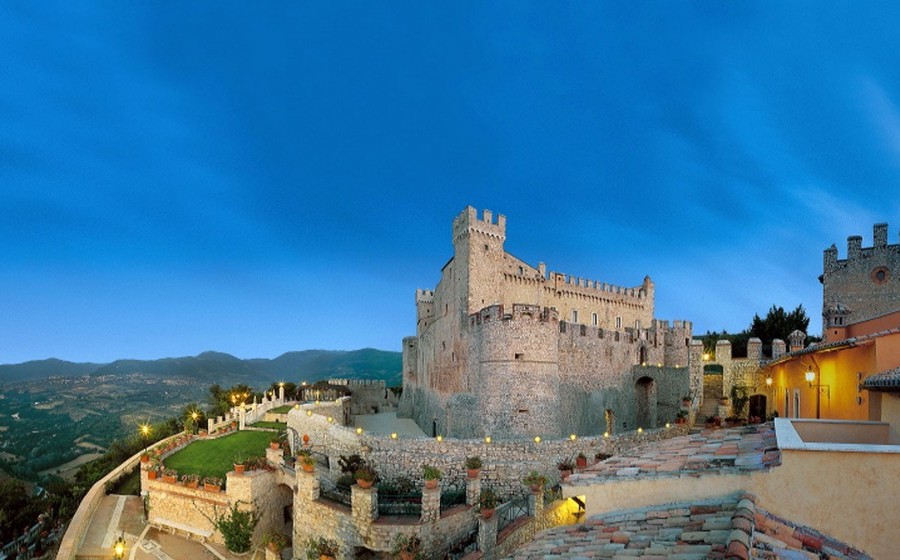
862	287
477	243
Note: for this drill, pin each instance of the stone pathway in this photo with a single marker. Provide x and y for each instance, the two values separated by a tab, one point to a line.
726	451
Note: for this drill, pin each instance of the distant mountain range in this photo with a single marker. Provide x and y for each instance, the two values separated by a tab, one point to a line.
218	367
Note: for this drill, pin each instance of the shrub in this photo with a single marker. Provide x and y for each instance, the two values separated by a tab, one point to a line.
487	499
431	473
566	464
473	462
237	527
315	548
534	478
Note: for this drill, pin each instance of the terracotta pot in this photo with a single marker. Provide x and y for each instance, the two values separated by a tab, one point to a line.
431	484
211	487
326	557
191	484
472	473
487	513
152	475
564	474
407	555
239	468
581	462
681	420
168	478
305	439
145	458
274	547
365	484
274	445
536	488
309	468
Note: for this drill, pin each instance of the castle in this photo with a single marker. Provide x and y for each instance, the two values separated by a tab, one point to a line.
509	350
863	288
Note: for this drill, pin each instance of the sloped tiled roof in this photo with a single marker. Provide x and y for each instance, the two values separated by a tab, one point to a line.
728	527
885	381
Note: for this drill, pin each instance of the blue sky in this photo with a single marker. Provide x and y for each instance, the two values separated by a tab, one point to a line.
183	176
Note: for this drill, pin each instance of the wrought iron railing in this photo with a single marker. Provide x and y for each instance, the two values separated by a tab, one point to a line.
512	510
400	504
452	496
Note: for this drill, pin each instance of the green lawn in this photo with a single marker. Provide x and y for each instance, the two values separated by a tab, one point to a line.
276	425
282	409
217	457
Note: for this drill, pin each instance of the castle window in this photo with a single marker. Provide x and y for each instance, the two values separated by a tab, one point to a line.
618	322
446	308
574	316
520	356
594	319
637	325
443	345
485	246
880	275
521	271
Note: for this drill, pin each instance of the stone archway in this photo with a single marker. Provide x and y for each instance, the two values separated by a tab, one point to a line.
645	405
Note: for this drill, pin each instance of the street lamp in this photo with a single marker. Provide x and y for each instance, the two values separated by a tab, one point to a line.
119	548
145	434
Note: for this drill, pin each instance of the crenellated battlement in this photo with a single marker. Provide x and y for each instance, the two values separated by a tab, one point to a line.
424	296
855	250
468	222
519	312
563	282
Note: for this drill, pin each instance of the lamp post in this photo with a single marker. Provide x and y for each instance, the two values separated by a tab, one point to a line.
145	434
119	548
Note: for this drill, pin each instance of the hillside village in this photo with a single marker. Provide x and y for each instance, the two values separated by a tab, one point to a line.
546	416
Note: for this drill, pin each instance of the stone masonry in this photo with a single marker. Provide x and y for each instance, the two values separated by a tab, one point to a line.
863	286
513	351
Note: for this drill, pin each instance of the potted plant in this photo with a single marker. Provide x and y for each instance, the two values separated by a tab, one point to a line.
321	549
306	461
535	481
487	502
407	547
239	468
170	476
145	457
473	466
681	417
431	475
565	466
365	476
581	461
600	456
275	443
274	541
191	480
212	484
153	472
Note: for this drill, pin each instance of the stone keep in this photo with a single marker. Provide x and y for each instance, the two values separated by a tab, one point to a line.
864	286
509	350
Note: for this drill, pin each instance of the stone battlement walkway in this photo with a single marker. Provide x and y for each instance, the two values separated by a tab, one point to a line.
723	451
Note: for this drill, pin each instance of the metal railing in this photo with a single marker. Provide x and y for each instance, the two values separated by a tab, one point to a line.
452	496
512	510
400	504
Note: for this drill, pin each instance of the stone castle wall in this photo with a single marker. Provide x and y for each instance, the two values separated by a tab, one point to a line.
867	282
510	349
505	461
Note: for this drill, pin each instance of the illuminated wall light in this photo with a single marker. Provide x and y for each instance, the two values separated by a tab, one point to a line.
359	431
309	412
317	403
440	438
330	419
537	439
606	434
573	437
487	439
768	381
668	425
393	435
640	430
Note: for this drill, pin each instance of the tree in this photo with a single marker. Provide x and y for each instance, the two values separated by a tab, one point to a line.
779	324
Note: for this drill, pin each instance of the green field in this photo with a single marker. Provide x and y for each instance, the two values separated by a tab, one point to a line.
217	457
282	409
